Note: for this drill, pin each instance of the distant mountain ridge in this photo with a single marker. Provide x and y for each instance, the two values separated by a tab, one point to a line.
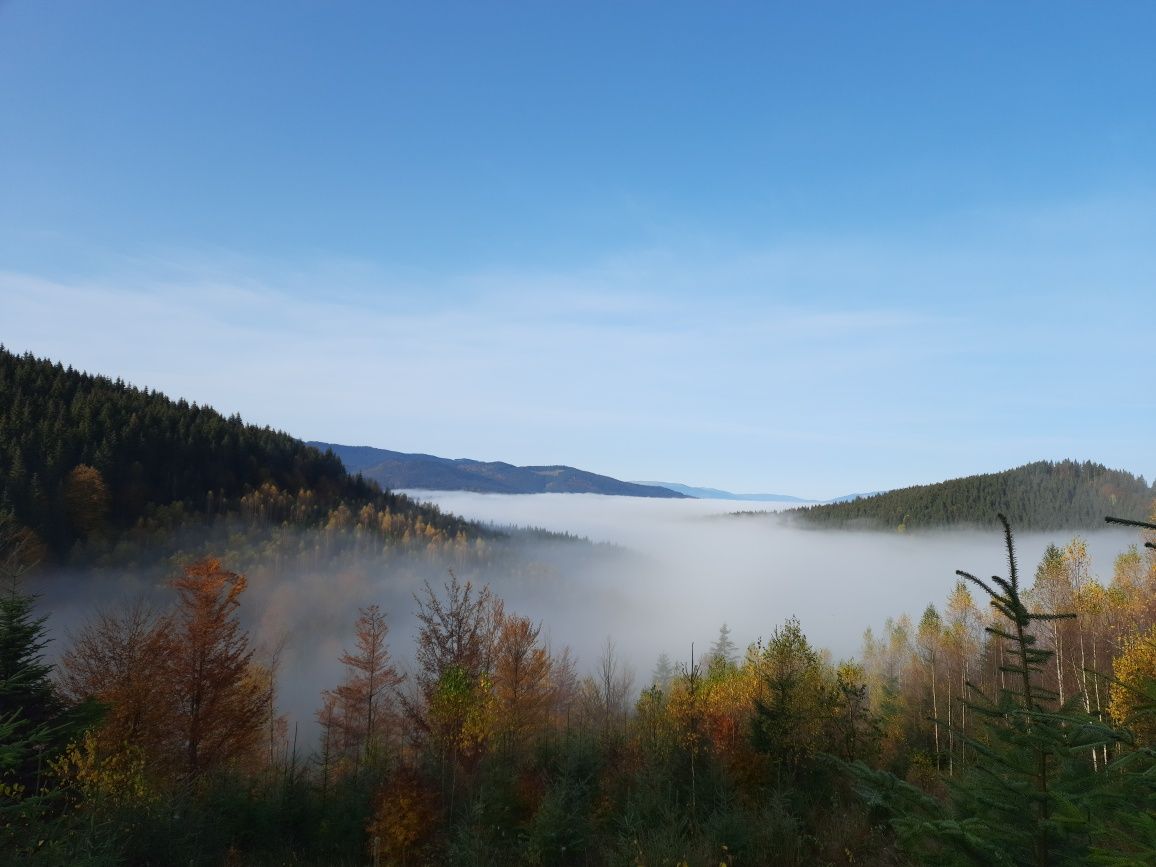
407	471
1044	495
717	494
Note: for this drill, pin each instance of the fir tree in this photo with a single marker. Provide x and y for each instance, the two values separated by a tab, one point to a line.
723	651
664	671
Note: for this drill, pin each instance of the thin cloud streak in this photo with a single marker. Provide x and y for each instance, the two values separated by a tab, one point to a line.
636	367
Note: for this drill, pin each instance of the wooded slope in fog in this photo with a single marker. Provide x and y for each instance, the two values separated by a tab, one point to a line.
1044	495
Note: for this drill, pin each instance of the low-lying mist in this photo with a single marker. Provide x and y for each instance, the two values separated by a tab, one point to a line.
660	575
701	565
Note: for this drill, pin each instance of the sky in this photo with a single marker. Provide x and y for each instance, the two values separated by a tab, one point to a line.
810	249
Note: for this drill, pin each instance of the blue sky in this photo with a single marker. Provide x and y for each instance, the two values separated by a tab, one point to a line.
808	248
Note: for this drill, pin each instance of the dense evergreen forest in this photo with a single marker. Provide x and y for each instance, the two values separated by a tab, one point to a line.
1044	495
1013	725
85	460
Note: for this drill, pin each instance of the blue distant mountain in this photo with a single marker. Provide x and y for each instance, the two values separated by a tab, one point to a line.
716	494
406	471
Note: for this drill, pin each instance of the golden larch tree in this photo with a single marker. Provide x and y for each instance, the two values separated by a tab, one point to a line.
359	713
522	680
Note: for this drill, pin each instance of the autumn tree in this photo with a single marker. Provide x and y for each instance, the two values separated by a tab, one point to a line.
1085	602
456	630
218	708
118	659
1134	686
565	686
1132	585
929	641
86	499
404	820
1053	591
885	662
610	687
453	703
360	710
522	680
962	642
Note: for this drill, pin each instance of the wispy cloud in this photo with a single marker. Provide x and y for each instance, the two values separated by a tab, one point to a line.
813	367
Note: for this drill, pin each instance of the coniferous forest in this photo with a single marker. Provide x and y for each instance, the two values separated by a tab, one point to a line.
1014	723
91	463
1045	495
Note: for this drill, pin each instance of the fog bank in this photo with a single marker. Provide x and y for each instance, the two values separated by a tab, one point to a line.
705	565
674	572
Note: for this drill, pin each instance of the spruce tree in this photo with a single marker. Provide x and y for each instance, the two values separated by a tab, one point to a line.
723	651
35	724
1032	796
29	705
664	672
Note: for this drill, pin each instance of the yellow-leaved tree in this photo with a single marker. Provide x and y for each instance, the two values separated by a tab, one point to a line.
1132	697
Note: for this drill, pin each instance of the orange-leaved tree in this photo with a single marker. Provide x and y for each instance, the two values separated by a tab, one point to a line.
218	708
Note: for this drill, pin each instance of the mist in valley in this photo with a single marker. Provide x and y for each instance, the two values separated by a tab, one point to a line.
687	566
650	575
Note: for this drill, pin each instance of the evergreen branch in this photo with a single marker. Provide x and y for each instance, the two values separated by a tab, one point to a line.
1007	587
968	576
1129	523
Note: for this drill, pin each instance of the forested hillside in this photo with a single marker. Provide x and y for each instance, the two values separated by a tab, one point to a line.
1067	495
85	456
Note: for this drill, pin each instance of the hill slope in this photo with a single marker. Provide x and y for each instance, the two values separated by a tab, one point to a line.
84	455
1039	496
401	470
